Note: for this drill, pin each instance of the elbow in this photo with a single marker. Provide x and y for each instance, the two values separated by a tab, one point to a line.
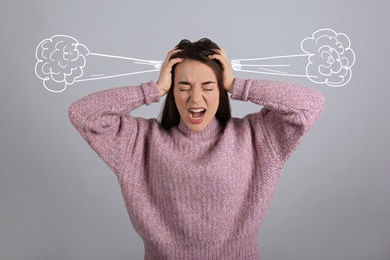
320	102
74	113
317	103
317	109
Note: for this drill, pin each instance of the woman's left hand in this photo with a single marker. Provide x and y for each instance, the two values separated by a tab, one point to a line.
228	76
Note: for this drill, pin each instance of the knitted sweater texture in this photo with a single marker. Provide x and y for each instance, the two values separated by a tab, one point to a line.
198	195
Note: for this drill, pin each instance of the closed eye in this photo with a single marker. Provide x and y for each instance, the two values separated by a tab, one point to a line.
208	82
185	86
208	85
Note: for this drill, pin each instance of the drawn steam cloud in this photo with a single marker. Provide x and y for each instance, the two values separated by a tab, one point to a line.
330	57
61	61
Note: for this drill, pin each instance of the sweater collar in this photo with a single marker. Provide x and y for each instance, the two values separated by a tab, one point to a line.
211	130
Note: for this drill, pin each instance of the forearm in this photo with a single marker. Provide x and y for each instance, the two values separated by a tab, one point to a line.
98	109
277	95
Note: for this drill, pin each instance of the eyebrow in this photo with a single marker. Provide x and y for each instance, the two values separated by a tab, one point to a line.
188	83
208	82
183	83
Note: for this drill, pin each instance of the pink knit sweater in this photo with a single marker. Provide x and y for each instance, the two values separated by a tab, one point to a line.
198	195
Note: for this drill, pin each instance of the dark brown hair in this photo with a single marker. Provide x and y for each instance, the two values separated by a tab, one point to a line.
199	51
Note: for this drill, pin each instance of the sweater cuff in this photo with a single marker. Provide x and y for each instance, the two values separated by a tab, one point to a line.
151	92
241	89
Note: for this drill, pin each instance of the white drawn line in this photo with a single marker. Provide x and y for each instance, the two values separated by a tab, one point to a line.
119	75
260	67
244	65
153	63
263	65
272	73
120	57
274	57
276	71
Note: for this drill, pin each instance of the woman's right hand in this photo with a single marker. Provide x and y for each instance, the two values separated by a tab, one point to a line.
165	79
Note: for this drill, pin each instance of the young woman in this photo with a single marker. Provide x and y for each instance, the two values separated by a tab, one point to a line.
198	184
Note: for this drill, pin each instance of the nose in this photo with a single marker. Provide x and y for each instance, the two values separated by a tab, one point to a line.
196	95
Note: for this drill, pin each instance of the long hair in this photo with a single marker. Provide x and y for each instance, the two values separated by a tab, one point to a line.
199	51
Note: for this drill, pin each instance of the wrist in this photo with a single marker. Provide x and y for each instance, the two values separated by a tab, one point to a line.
230	87
161	91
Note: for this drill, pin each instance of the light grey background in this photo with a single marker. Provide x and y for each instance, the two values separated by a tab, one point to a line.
58	200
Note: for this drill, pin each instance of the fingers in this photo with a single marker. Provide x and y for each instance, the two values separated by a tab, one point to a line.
174	61
222	57
165	77
170	53
228	75
221	52
168	63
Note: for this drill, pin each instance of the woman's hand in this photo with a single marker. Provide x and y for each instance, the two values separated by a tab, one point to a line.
165	79
228	76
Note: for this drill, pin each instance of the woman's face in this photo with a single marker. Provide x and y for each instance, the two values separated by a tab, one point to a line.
196	93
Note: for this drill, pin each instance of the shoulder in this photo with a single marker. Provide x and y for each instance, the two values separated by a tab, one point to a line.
150	127
249	126
246	123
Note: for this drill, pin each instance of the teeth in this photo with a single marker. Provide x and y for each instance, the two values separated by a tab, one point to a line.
197	110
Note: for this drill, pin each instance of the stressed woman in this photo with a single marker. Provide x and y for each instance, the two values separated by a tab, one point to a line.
198	183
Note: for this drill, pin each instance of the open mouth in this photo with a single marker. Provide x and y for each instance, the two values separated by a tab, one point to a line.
196	115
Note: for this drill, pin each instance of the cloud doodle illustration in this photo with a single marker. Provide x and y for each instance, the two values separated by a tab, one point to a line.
330	57
62	61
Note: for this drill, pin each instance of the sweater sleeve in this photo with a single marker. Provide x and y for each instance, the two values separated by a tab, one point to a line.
288	112
103	120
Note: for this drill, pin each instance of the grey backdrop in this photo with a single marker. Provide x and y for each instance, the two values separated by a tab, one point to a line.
58	200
